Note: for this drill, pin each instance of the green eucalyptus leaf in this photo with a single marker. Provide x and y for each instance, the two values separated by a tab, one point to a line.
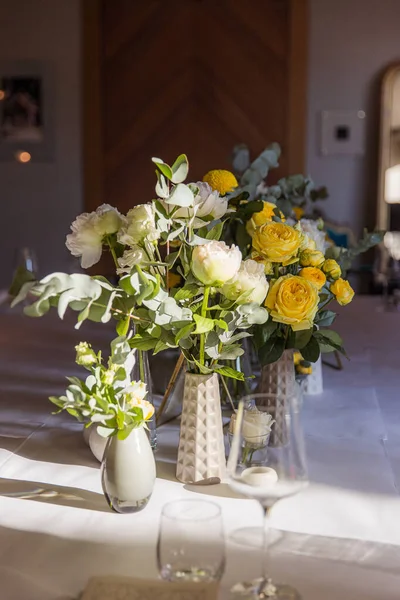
163	167
181	195
162	189
180	169
215	232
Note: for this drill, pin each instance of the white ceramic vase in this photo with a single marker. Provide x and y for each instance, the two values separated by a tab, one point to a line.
314	383
128	472
201	452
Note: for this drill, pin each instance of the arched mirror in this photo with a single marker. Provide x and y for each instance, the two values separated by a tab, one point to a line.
389	171
388	211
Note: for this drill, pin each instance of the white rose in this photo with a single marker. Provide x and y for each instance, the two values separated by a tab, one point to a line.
88	232
134	256
250	278
207	203
215	263
139	226
256	427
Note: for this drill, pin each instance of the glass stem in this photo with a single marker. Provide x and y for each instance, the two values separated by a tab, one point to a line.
265	544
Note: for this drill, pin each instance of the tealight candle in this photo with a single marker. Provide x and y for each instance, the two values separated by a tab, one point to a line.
260	476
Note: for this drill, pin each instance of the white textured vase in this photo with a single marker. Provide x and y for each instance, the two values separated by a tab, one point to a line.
314	383
128	472
278	379
201	452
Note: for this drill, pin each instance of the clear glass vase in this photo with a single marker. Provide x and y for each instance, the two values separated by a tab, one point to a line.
141	371
128	472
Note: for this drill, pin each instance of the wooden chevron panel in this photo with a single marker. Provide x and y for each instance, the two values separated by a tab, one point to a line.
194	76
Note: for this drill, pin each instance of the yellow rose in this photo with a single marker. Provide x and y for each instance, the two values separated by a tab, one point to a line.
277	242
343	291
331	269
221	181
315	275
311	258
263	216
293	300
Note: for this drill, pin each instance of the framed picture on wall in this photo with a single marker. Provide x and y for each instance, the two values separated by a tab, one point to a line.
26	112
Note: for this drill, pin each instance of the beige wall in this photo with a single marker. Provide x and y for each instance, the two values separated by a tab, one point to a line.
39	200
351	42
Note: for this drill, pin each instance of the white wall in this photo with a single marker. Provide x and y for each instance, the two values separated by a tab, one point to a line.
351	42
39	200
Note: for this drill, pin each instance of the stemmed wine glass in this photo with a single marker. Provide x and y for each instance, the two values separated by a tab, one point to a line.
267	463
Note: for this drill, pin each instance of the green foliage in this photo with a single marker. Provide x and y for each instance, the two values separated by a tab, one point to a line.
106	397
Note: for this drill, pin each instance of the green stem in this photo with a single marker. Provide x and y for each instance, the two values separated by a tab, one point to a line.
112	250
141	365
203	314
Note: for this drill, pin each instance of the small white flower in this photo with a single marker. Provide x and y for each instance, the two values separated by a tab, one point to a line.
250	278
88	232
207	204
139	226
215	263
312	230
130	258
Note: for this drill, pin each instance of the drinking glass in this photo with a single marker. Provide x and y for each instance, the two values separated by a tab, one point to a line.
191	543
267	463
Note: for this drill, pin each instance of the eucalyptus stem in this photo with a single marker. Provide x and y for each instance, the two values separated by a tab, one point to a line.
203	314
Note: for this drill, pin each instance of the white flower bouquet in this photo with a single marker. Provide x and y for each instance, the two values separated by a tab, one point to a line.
178	285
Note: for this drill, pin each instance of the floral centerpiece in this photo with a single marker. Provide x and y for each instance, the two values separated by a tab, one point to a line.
179	286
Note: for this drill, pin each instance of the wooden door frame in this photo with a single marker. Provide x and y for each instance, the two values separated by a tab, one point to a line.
92	113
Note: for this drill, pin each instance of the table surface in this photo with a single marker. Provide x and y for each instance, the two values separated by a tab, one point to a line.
348	518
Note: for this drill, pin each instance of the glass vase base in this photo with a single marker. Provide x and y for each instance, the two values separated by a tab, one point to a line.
126	506
253	537
259	589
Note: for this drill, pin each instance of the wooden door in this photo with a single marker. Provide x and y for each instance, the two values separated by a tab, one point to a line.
164	77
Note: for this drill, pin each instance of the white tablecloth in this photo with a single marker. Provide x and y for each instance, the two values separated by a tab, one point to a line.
341	537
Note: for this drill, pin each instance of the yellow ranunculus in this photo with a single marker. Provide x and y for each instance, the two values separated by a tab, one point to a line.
293	300
277	242
307	243
302	370
297	358
298	212
263	216
311	258
220	180
343	291
315	275
331	269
